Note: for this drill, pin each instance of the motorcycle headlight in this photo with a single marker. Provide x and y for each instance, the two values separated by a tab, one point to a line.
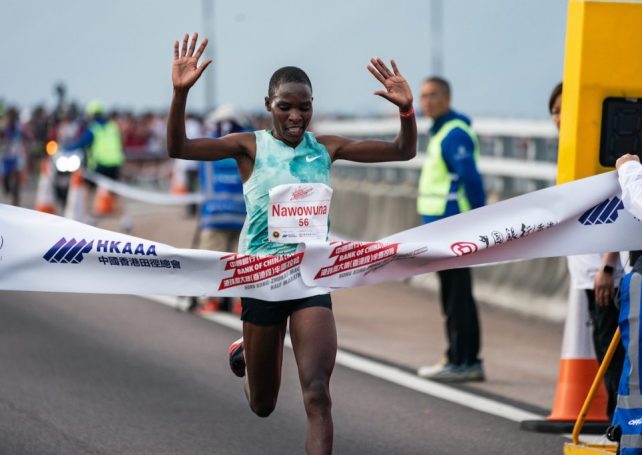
67	162
73	163
61	163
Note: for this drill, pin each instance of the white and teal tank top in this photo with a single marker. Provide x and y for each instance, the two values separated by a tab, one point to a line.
276	163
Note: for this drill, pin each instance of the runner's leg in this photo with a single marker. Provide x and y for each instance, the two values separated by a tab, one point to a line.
314	339
263	350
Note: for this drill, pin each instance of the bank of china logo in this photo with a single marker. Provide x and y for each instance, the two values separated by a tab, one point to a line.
604	213
68	251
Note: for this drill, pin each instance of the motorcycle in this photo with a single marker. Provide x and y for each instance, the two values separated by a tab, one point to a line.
65	163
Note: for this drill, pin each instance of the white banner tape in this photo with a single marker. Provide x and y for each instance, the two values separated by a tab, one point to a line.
138	194
40	252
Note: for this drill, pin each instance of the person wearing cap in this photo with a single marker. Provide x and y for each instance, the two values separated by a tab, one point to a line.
104	146
102	141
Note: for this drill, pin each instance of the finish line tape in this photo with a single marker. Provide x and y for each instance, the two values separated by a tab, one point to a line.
41	252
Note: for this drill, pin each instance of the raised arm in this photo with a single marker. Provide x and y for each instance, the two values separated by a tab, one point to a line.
404	147
185	72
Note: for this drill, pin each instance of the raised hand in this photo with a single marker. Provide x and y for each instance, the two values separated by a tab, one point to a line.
185	69
397	90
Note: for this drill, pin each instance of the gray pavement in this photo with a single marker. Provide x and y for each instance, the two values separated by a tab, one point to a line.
118	374
402	325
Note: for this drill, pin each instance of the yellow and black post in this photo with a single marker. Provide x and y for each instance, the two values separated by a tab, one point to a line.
602	97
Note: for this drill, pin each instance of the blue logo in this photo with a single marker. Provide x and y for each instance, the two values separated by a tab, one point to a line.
72	251
68	251
604	213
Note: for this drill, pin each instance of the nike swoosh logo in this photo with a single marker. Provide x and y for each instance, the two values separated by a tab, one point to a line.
310	159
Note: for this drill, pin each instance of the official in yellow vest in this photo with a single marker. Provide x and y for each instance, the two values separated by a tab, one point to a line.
102	141
450	183
106	150
103	144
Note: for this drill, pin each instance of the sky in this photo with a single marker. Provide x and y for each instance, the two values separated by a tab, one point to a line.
502	57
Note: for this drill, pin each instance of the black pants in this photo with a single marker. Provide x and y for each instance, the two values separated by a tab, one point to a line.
604	319
462	322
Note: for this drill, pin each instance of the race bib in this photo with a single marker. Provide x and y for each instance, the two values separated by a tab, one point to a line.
298	213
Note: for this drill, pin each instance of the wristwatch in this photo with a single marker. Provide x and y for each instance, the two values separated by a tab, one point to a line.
608	269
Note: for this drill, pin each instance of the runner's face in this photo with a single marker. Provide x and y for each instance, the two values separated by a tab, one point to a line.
291	108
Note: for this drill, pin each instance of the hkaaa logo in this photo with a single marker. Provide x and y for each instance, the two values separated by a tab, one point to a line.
73	251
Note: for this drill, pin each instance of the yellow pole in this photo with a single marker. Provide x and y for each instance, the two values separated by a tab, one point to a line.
596	384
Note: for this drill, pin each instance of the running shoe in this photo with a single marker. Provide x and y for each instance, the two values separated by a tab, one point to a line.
236	358
456	373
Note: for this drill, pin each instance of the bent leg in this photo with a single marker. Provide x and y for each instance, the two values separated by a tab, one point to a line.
263	350
314	339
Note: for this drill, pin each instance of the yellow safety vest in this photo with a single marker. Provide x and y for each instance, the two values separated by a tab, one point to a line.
435	180
106	148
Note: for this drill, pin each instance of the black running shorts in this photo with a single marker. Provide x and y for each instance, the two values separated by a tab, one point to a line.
262	312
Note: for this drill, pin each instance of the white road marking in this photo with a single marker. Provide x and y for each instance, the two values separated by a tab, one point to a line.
387	373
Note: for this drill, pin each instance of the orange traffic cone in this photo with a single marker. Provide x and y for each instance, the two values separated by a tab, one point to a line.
104	201
237	307
45	191
76	196
211	305
578	367
178	182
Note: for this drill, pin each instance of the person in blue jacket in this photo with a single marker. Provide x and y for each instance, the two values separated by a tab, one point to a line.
222	213
449	184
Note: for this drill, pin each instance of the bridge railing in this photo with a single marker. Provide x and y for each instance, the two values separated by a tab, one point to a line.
517	156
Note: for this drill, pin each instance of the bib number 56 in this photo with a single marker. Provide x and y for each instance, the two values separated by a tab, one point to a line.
304	222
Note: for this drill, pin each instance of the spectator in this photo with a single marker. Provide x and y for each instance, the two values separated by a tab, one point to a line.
596	275
104	146
103	142
12	155
449	184
223	211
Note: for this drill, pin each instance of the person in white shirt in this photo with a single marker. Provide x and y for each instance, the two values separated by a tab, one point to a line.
629	172
598	276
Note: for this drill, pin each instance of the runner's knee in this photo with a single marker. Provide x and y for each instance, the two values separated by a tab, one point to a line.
316	396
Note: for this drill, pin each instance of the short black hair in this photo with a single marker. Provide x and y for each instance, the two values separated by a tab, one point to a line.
557	91
443	83
288	74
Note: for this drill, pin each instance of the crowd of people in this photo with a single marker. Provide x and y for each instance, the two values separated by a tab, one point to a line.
25	134
27	137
